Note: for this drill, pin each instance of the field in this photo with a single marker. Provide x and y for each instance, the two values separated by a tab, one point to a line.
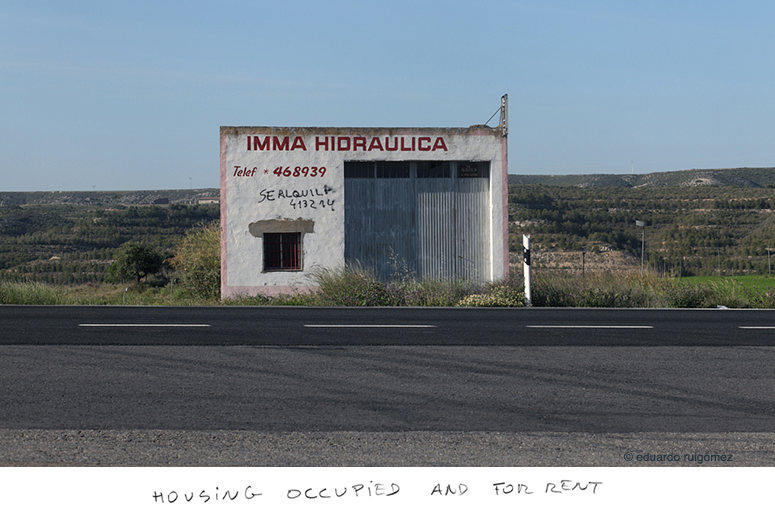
352	287
753	282
706	244
691	231
76	244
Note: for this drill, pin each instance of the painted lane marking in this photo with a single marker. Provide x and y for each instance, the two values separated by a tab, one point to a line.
141	325
369	326
594	326
757	327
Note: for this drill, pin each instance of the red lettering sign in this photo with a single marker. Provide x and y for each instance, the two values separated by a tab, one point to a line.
439	144
343	143
375	144
258	144
346	143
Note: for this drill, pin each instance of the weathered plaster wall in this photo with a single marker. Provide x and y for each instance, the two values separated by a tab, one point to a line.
307	195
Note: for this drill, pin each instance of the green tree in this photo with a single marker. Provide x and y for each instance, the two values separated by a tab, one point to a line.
135	261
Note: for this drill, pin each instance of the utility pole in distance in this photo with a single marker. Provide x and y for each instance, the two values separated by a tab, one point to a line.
642	223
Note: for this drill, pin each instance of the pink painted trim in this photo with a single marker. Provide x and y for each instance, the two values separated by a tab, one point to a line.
505	166
223	217
270	291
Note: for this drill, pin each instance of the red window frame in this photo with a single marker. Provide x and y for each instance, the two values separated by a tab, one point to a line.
282	251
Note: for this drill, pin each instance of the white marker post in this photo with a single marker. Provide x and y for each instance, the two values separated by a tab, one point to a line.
526	257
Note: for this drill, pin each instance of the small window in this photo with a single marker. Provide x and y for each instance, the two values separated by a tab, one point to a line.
433	169
282	251
392	170
358	170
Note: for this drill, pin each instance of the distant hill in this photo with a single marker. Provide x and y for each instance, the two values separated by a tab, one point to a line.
737	177
107	198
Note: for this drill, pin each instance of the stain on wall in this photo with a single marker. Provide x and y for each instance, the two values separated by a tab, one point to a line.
301	225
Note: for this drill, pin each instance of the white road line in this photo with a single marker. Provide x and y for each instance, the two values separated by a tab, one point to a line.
369	326
757	327
590	326
141	325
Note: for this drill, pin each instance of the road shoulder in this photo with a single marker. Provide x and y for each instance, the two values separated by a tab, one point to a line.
165	448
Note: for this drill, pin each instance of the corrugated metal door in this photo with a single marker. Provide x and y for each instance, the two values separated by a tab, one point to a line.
435	206
432	227
381	230
472	228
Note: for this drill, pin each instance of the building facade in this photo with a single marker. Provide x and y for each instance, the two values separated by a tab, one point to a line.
432	201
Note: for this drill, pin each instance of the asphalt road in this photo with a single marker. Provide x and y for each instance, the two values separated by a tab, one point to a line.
455	378
294	326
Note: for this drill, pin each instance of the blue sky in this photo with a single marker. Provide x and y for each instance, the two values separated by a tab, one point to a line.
130	95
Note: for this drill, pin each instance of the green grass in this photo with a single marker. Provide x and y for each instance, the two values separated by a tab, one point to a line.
754	291
36	293
356	287
32	293
760	282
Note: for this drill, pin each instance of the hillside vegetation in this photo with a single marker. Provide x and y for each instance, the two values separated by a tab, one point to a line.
105	199
723	225
737	177
691	231
74	244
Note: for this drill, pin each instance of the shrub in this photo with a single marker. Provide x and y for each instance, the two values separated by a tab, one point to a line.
761	298
678	294
734	294
507	292
598	290
198	261
501	296
437	292
354	286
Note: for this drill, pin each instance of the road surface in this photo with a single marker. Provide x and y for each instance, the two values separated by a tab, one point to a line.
389	386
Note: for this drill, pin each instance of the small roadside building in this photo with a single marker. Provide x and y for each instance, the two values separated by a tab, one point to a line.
432	201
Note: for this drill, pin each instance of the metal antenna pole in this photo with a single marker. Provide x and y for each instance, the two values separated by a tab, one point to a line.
505	114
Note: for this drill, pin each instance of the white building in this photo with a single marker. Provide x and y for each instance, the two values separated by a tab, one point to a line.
432	200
